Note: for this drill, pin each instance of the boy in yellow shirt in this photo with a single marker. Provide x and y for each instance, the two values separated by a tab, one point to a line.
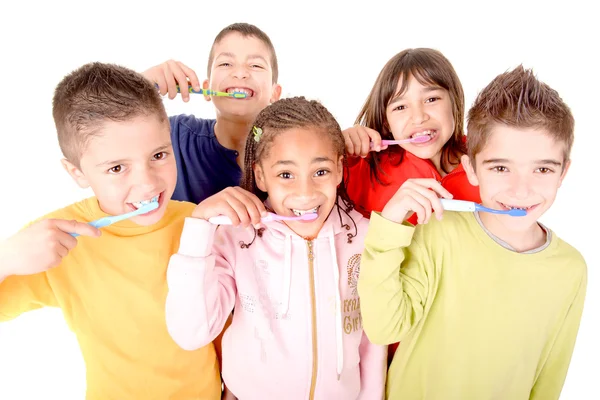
114	133
486	306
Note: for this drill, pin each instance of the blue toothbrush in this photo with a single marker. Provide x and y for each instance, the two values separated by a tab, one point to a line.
470	206
208	92
105	221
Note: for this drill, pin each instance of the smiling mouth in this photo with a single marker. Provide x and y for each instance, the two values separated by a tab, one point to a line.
299	213
429	132
512	207
141	203
246	91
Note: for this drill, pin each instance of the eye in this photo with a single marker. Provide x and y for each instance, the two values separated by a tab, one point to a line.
224	64
160	156
117	169
285	175
322	172
399	108
432	99
544	170
257	66
500	169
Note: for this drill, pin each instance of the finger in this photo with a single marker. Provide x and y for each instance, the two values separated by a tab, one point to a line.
433	199
161	82
356	145
170	81
365	142
181	79
194	81
253	205
238	208
80	228
374	137
62	251
349	145
420	204
430	184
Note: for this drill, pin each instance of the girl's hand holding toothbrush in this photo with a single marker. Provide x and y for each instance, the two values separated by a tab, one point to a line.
419	196
360	140
241	206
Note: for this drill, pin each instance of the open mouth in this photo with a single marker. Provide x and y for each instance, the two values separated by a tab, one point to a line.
299	213
431	133
513	207
141	203
246	91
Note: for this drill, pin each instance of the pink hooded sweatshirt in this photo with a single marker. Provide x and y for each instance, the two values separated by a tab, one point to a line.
296	331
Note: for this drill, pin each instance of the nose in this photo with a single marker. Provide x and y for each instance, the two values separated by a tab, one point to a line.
419	115
240	72
305	189
520	186
146	179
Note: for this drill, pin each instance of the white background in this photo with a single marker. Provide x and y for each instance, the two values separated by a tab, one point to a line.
331	51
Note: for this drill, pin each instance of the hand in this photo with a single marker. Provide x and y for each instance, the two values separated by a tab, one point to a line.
419	196
41	246
358	141
171	73
241	206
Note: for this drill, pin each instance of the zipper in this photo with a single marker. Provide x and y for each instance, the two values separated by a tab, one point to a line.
313	304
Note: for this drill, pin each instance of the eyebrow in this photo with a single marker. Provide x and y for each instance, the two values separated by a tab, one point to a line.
231	55
122	160
315	160
399	96
506	161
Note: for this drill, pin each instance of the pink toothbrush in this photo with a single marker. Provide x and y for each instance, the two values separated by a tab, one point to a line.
418	139
224	220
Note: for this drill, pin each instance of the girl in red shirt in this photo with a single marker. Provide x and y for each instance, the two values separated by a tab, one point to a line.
416	93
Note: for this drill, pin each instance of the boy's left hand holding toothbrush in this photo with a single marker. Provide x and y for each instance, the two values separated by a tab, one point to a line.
242	207
40	246
416	196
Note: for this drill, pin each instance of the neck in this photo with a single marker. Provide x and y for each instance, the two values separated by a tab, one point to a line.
520	240
232	135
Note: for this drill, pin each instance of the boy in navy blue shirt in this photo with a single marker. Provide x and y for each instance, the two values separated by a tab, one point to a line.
209	152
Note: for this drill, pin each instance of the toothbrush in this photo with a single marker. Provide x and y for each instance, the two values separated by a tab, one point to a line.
470	206
105	221
224	220
208	92
418	139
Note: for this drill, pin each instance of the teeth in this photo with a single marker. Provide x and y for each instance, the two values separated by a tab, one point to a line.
248	92
299	213
516	208
427	132
139	204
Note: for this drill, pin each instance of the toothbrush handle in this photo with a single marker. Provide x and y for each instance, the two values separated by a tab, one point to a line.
458	205
99	223
220	220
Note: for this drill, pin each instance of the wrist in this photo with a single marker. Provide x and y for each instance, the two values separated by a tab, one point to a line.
398	215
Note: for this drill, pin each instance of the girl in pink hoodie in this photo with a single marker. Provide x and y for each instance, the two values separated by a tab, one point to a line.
296	331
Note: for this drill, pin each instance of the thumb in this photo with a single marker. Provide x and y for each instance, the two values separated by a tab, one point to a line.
80	228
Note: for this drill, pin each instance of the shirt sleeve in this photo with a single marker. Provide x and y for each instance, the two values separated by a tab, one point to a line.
551	378
201	286
396	282
22	293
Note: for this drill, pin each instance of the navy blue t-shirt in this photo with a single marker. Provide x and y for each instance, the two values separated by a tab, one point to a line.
204	166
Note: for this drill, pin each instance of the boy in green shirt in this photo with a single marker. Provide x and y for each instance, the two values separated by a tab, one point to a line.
485	305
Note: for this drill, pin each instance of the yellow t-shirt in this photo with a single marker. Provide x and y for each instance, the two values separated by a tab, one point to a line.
474	319
112	292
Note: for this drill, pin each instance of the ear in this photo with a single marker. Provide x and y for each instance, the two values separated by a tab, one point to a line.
259	177
470	170
564	173
340	170
75	173
205	86
276	93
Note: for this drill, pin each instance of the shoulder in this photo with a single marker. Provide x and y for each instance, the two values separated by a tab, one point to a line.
569	255
75	211
184	123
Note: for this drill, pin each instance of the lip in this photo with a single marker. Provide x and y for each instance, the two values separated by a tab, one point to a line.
160	204
503	206
433	136
242	87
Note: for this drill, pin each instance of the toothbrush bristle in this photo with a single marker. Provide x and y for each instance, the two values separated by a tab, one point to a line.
239	95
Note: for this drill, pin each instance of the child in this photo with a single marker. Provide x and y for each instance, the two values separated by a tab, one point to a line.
296	332
210	152
114	133
486	305
417	93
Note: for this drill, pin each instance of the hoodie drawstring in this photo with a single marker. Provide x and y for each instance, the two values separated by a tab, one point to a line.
338	310
287	275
